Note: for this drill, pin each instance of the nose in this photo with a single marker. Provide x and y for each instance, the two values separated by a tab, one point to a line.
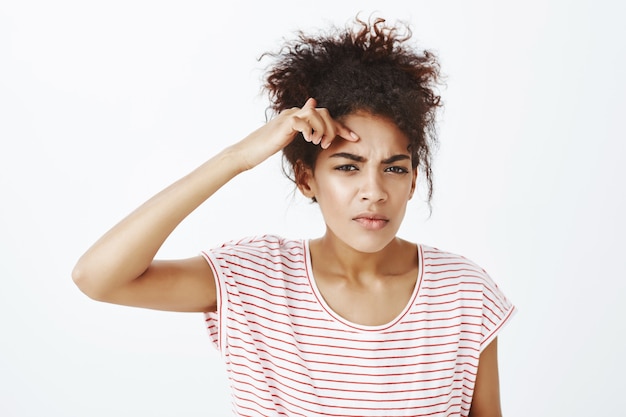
372	188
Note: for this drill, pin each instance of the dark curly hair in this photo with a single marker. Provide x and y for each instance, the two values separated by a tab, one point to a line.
369	67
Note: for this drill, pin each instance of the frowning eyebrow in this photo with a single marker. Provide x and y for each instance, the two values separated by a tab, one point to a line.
358	158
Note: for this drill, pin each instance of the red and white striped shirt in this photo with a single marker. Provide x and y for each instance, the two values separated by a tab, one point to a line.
288	354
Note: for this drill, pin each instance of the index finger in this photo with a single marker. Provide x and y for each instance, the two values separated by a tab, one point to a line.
346	133
340	131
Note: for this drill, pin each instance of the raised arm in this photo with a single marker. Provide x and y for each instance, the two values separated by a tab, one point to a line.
120	267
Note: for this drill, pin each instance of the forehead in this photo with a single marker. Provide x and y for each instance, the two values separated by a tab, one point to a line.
379	137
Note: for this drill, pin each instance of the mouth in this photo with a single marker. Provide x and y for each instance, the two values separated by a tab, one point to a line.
371	221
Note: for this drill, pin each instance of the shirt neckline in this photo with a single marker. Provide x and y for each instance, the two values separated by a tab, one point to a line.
362	327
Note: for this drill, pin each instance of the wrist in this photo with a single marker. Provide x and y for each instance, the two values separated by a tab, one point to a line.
249	152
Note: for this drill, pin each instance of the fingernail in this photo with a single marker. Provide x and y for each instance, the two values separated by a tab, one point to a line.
354	135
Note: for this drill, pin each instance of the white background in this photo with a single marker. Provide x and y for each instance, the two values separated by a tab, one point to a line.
103	104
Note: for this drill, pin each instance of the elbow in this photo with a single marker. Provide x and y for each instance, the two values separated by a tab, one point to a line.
87	283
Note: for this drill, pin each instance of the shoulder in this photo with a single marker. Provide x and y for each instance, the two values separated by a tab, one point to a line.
438	260
447	268
259	247
261	243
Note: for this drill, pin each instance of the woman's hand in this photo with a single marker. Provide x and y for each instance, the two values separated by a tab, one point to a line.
316	125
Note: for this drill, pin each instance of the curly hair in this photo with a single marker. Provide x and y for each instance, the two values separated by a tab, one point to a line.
370	67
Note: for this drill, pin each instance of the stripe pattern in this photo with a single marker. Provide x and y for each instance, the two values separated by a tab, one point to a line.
288	354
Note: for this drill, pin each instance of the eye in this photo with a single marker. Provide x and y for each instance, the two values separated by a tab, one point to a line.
397	170
346	168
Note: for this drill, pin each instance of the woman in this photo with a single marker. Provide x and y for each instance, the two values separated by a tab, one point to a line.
357	322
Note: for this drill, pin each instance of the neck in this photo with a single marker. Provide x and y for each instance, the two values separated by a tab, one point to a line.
336	258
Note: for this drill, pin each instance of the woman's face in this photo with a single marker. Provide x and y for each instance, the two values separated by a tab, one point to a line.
363	187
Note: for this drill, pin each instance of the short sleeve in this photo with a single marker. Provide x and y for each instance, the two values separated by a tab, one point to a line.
212	318
496	312
230	262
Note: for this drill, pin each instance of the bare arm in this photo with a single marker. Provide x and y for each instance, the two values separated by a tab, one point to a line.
120	267
486	398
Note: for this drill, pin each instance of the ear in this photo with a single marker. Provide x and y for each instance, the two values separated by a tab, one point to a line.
304	176
413	182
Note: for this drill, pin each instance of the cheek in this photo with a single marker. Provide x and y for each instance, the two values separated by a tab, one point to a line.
330	188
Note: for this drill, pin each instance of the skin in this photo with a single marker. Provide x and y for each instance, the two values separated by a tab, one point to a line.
362	181
486	400
362	189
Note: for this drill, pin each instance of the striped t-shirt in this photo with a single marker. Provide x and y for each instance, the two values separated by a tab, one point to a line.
288	354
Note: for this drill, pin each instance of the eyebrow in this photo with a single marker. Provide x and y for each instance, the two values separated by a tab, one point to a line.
358	158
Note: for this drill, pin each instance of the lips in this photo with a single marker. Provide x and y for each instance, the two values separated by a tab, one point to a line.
371	221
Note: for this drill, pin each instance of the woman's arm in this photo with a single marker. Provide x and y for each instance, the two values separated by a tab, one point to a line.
486	398
120	267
